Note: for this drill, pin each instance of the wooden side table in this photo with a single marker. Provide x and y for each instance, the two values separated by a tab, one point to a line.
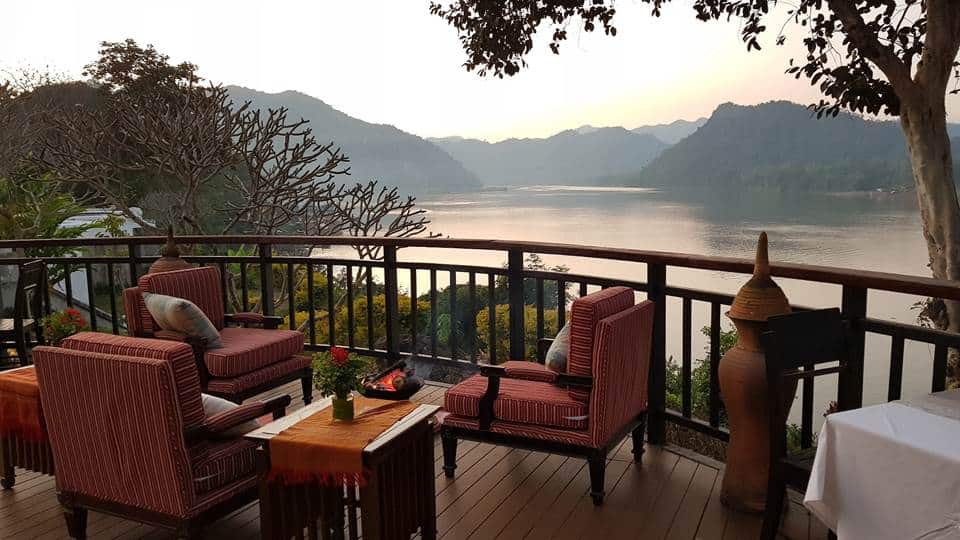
398	500
27	454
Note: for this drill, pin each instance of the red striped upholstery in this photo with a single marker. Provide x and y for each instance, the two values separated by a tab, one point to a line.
248	349
117	431
222	463
198	285
585	314
530	371
180	356
139	321
620	370
528	402
618	362
256	378
115	428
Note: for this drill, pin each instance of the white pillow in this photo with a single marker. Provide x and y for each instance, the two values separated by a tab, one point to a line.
183	316
556	358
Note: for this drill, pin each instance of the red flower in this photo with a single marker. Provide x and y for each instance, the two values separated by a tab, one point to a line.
339	356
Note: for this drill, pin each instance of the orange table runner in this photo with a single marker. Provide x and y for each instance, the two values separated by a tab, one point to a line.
20	413
331	452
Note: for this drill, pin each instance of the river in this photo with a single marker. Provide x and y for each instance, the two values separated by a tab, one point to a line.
866	231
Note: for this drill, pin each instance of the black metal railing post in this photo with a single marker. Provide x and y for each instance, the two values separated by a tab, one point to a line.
656	425
266	278
515	287
391	301
133	253
850	383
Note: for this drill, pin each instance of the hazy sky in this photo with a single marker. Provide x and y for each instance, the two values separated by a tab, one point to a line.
389	61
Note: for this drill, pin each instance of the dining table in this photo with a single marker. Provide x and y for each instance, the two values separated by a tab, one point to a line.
890	471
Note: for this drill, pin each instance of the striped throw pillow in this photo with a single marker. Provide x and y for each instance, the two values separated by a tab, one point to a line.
180	315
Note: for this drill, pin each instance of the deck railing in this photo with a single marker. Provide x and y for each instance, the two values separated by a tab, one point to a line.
370	279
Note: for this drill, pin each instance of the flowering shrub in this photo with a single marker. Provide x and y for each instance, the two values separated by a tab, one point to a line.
338	372
60	325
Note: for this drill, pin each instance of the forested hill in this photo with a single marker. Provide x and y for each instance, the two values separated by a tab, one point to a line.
781	145
376	151
569	157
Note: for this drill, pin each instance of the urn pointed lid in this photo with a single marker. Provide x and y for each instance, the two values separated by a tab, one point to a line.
169	257
760	298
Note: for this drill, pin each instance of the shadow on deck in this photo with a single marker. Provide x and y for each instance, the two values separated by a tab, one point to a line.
497	493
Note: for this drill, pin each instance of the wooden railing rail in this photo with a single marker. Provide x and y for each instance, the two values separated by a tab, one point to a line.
406	330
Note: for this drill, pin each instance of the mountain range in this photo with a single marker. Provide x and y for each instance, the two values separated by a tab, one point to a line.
376	151
777	145
569	157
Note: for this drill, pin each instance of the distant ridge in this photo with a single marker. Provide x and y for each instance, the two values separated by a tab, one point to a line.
376	151
575	156
781	145
673	132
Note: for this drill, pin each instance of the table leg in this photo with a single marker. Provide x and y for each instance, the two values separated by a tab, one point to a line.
428	529
268	517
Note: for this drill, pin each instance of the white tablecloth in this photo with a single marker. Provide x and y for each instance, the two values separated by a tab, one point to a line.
889	471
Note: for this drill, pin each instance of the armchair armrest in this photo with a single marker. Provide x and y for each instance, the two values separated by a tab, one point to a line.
226	420
246	318
543	345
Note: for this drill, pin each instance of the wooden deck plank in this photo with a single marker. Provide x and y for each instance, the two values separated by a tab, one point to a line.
687	519
497	492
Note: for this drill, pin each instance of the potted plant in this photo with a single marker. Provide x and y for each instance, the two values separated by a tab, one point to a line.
60	325
338	373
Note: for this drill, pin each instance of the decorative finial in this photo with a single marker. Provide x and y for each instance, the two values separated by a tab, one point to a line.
760	298
761	268
170	249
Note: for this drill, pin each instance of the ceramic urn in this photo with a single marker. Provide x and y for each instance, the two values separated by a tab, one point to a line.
743	388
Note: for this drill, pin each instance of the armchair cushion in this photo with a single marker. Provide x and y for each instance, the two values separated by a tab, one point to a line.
183	316
248	349
222	462
519	401
530	371
234	385
585	314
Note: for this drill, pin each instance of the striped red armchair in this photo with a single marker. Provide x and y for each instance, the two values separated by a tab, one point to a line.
255	356
584	412
129	436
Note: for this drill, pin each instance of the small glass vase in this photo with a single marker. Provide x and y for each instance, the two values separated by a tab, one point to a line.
343	409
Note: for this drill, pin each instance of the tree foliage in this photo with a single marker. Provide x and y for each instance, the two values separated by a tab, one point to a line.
856	51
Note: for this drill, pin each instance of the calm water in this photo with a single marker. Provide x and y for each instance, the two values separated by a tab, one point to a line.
877	232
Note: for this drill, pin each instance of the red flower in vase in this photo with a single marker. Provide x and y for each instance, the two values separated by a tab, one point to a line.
339	356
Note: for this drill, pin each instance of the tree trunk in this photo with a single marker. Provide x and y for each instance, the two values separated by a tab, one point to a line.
928	143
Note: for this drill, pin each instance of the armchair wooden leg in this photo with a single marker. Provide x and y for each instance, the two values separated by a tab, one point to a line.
449	454
597	464
76	519
9	477
637	435
306	382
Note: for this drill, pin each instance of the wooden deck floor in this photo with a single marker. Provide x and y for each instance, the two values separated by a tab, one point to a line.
497	493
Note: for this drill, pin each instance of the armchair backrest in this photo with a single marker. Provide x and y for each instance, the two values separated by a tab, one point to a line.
116	427
31	285
202	286
795	345
585	316
621	367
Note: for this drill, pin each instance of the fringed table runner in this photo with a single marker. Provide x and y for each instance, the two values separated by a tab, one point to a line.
320	449
20	413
